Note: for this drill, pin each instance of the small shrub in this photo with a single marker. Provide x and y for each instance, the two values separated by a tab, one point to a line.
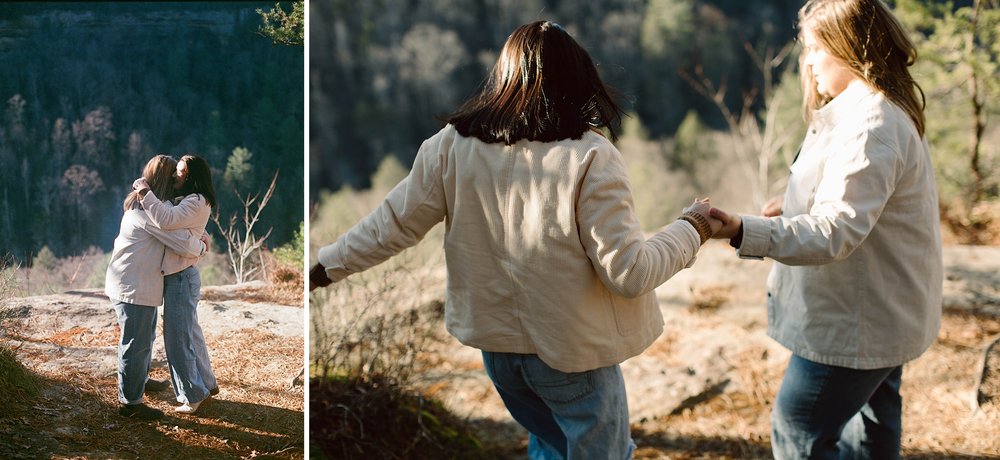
293	252
286	275
45	259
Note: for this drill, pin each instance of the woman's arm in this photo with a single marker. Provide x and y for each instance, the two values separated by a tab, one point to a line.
408	212
182	241
858	180
627	263
189	213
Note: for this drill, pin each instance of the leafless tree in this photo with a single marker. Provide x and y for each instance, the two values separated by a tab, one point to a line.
241	242
757	142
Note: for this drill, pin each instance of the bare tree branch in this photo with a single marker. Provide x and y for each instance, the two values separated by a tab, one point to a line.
241	242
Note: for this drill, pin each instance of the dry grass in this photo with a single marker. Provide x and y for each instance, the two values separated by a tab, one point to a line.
283	294
939	421
255	414
708	299
258	413
979	225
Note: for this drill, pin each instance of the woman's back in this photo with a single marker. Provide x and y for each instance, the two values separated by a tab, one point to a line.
543	248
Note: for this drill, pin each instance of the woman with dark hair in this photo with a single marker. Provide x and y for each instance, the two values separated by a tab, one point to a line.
548	272
135	283
187	355
856	288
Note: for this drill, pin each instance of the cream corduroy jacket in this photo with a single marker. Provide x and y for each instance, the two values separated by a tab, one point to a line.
191	213
543	248
859	273
135	272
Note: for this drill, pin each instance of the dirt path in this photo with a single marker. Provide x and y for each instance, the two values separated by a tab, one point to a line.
69	341
705	388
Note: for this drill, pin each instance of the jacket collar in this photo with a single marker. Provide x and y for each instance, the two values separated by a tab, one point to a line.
844	106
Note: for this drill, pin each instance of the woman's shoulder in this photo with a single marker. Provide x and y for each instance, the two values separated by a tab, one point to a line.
193	198
885	120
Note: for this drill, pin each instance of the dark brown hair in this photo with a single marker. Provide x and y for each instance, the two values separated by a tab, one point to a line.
159	174
544	87
199	179
866	37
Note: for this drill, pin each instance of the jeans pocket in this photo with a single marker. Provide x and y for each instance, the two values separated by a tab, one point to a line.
561	387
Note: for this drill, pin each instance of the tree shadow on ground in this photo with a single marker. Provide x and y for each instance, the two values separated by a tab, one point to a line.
67	421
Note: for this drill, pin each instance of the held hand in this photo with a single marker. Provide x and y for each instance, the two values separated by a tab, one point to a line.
773	206
140	184
730	224
205	238
703	207
318	278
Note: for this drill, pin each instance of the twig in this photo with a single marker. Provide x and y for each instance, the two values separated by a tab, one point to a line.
984	372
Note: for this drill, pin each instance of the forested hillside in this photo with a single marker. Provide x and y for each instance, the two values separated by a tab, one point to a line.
91	91
380	71
711	87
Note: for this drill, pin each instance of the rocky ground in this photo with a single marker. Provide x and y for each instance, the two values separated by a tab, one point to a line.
69	341
704	389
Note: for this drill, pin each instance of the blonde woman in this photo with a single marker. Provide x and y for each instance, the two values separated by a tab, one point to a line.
134	283
856	288
191	372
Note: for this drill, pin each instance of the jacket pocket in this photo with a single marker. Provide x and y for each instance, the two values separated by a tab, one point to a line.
630	314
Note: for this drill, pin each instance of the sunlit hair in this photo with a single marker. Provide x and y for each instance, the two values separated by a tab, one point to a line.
199	179
544	87
159	174
868	39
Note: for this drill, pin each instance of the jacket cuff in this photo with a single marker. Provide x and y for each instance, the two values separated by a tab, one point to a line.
331	259
756	237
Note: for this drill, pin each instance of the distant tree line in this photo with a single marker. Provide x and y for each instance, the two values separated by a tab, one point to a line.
91	91
381	71
686	70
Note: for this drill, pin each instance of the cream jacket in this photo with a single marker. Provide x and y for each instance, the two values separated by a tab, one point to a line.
191	213
134	274
859	275
543	249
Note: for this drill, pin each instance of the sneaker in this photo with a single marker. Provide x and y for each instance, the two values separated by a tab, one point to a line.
155	386
140	411
190	408
214	391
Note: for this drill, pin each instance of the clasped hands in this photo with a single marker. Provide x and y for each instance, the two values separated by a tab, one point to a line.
731	223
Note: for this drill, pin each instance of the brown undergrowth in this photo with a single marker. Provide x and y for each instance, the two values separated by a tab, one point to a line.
378	418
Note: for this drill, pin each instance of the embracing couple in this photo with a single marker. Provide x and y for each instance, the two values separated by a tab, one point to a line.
162	236
550	276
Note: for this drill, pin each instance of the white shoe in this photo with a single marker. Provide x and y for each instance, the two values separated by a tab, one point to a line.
190	408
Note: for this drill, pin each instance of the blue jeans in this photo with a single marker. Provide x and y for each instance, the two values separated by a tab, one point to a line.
187	355
828	412
135	349
575	415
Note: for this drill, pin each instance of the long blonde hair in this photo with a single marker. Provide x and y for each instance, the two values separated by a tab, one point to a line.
159	173
868	39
